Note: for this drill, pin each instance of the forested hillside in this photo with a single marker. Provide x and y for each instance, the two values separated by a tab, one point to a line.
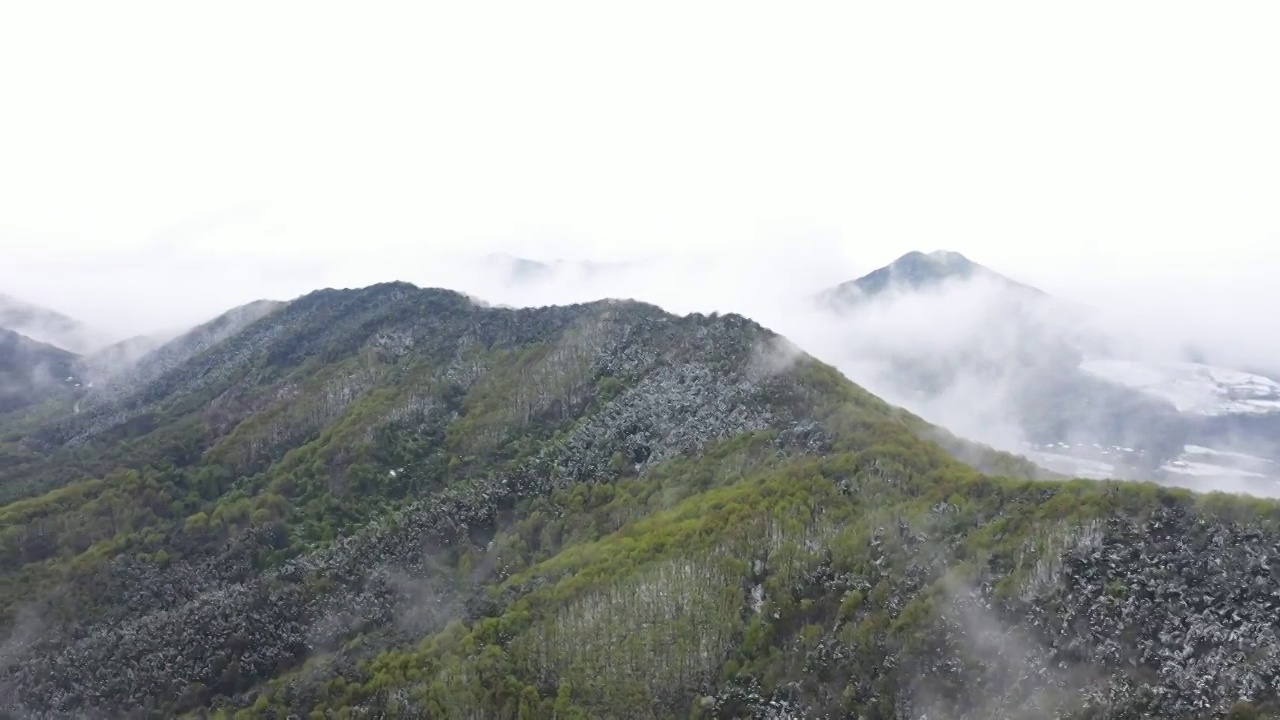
395	502
32	372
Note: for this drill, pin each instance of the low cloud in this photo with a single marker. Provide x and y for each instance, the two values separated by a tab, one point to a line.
989	364
975	361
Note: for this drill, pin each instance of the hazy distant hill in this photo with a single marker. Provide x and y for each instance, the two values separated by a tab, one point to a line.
32	372
100	366
952	339
917	271
523	271
48	326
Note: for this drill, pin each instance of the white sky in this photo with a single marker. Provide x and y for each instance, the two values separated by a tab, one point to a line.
160	162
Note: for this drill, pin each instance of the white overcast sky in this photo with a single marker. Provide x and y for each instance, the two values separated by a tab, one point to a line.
159	161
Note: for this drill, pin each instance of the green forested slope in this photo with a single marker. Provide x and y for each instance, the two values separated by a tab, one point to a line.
395	502
32	373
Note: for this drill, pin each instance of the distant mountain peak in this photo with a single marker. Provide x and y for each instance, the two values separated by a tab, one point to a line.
950	257
916	270
918	267
521	270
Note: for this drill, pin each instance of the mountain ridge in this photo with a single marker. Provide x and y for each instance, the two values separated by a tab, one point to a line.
396	500
49	327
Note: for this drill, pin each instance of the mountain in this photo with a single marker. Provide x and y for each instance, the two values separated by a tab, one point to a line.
521	271
940	318
397	502
100	366
48	326
123	368
1005	363
32	372
510	268
918	271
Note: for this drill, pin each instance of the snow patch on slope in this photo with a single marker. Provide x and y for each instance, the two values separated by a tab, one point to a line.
1072	465
1193	388
1206	468
1200	450
1203	469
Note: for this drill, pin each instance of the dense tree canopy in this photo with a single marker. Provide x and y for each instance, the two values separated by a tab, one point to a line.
394	502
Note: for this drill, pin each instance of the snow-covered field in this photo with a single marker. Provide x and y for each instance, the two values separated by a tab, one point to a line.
1091	461
1203	469
1073	466
1193	388
1197	467
1237	456
1202	461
